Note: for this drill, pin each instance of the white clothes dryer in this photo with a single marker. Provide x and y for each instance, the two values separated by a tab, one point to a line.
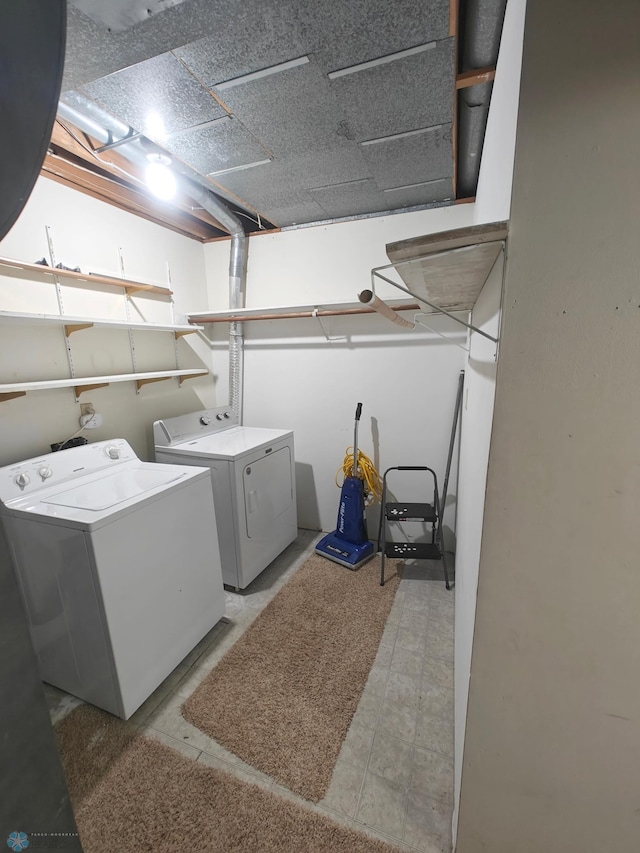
119	567
254	487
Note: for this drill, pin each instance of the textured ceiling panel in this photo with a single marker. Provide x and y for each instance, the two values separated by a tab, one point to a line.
307	124
398	96
410	159
159	86
419	195
273	194
121	14
224	144
357	197
289	112
260	36
351	32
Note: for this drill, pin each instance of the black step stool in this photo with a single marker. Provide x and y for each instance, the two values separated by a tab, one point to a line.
402	512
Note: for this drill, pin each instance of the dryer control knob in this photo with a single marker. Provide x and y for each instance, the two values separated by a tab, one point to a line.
227	414
218	417
113	452
22	480
205	421
45	472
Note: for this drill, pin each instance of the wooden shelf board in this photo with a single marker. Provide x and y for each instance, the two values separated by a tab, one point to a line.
77	323
86	382
81	278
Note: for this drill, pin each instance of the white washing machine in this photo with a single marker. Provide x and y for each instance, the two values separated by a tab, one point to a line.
254	487
119	567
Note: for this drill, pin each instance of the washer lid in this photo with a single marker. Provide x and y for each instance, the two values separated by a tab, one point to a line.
230	443
105	492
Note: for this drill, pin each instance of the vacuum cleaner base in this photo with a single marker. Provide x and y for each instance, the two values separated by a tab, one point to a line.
345	553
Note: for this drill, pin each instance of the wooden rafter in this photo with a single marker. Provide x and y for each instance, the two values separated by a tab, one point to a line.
475	77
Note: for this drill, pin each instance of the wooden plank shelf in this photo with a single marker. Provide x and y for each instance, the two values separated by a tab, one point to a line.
9	390
75	324
53	274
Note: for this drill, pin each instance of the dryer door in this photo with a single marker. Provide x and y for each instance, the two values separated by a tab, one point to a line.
268	492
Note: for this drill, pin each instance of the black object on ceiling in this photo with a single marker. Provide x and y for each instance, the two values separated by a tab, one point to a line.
32	48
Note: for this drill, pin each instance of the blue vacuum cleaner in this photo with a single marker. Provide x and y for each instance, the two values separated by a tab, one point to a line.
349	543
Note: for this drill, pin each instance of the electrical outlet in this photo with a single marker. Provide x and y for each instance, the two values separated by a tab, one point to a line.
86	409
91	421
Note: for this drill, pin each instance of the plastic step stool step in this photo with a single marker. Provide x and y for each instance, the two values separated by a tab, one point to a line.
410	512
412	550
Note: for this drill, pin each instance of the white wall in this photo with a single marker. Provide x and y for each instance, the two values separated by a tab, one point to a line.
88	233
295	378
475	437
493	204
493	195
553	743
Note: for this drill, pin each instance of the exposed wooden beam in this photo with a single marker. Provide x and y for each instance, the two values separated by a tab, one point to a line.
103	188
474	77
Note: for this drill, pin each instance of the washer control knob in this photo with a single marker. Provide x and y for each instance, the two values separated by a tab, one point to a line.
45	472
218	417
22	480
113	452
205	421
227	414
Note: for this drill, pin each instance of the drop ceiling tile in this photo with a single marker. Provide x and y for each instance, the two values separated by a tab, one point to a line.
256	36
290	111
160	85
395	162
350	199
439	191
268	189
224	144
361	30
398	96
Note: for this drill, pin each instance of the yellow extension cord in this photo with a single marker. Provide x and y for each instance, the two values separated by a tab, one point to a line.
366	472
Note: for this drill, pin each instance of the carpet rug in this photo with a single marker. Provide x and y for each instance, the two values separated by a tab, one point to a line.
132	794
283	696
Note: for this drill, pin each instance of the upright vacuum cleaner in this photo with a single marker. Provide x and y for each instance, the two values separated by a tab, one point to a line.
349	543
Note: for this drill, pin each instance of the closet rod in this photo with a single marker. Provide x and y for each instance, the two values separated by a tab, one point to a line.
295	315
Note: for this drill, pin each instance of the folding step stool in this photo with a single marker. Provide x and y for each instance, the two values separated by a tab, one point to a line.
424	512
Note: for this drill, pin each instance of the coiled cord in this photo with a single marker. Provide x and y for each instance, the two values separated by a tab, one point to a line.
365	471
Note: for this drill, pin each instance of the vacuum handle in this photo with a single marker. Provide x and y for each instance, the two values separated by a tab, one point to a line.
412	468
358	411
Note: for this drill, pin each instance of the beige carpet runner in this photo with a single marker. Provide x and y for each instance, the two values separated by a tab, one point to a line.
132	794
282	698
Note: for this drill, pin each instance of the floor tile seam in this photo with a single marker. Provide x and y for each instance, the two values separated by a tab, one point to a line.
376	729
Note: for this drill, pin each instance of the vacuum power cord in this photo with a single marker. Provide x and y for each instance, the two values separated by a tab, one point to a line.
365	471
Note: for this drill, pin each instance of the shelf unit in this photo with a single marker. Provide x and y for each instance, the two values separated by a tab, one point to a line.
71	324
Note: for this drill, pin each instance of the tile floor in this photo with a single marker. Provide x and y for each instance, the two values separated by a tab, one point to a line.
394	775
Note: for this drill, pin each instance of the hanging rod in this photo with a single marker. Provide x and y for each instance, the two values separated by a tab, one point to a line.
238	317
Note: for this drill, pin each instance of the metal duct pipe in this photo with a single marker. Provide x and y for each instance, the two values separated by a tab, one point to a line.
481	26
102	126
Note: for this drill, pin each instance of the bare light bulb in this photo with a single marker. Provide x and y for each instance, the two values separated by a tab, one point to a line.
160	179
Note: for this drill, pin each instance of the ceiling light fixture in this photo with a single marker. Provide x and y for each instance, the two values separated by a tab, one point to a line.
160	179
382	60
264	72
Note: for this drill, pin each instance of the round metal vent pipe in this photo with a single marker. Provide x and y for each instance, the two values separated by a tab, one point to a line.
102	126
